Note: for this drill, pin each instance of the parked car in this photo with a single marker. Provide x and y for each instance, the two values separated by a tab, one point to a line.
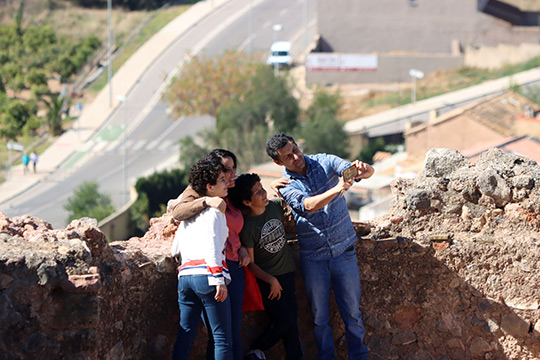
280	54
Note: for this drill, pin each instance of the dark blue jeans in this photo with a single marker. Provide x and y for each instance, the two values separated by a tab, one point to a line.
342	275
236	296
194	295
283	314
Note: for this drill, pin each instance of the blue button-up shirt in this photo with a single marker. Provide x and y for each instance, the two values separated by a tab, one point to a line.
327	232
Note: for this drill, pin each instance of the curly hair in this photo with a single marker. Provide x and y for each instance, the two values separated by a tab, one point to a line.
242	190
276	142
205	172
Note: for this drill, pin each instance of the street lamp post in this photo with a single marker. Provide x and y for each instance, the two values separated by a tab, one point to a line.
250	26
414	74
277	28
125	190
109	49
305	22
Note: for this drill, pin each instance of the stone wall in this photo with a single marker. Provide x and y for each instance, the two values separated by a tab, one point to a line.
451	272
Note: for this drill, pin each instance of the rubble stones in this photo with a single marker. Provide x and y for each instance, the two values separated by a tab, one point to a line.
440	162
479	347
515	325
493	185
418	200
492	209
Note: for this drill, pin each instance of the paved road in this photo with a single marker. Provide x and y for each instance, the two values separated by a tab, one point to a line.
141	133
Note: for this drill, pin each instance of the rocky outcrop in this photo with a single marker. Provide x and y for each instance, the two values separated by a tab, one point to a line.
451	272
463	281
69	294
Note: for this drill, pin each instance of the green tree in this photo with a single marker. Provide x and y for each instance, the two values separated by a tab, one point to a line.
190	152
53	118
2	85
247	99
322	131
35	77
87	201
13	117
19	18
65	68
204	85
265	106
266	100
374	145
153	193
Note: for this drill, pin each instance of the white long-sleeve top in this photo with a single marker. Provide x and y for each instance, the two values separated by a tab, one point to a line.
200	241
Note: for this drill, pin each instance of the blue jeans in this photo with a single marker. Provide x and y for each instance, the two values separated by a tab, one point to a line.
194	295
236	295
340	274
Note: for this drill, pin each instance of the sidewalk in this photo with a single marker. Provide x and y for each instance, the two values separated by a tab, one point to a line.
98	112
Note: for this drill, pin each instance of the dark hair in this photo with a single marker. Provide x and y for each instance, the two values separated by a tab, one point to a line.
276	142
221	154
205	172
242	190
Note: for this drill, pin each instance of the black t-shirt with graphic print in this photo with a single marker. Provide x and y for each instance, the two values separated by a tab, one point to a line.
266	235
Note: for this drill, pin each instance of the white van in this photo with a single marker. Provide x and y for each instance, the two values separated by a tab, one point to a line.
280	54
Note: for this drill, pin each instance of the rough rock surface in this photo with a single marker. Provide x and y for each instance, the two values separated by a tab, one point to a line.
461	279
69	294
451	272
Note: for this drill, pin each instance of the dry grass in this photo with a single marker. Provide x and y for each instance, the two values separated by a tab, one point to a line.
73	22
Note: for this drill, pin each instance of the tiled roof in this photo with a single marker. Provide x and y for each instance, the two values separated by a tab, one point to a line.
526	146
498	113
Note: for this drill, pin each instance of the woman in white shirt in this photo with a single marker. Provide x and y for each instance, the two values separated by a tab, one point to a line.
203	273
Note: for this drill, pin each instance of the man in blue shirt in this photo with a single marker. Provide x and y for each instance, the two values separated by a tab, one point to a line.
326	238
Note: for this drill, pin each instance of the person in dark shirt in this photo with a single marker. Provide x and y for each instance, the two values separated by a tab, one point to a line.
272	263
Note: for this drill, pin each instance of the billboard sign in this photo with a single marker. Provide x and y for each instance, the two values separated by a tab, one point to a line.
341	62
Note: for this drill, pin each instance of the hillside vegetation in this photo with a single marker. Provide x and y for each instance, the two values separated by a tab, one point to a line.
71	24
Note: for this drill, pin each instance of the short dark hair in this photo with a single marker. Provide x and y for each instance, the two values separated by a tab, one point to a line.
221	154
276	142
205	172
242	190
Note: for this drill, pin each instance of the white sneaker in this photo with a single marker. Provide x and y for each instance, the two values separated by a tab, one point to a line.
256	354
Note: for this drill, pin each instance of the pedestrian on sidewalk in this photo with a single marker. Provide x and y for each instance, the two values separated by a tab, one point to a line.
34	159
25	161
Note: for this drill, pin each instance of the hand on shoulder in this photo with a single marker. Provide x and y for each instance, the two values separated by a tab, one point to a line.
216	203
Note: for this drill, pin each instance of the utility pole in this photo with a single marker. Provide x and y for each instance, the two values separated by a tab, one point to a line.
250	26
109	50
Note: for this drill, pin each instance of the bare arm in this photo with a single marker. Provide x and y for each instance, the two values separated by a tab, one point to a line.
317	202
275	286
243	257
